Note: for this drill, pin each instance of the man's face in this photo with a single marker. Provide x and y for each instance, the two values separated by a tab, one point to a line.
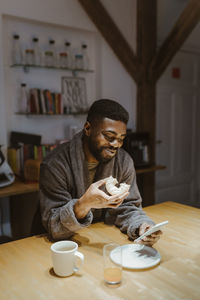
105	137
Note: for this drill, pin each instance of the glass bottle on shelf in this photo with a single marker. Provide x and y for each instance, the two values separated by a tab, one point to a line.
52	54
37	52
29	57
23	99
16	50
48	58
63	60
86	62
78	62
70	60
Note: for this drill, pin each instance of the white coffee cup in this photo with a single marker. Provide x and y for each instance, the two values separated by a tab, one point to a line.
64	256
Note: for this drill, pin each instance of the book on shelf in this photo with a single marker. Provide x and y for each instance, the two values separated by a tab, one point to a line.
49	100
12	160
15	159
53	103
45	102
39	100
35	94
33	102
20	154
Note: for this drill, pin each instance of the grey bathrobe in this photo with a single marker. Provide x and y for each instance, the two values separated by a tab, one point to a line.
64	178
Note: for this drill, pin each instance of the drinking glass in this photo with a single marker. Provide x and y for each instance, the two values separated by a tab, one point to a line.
112	254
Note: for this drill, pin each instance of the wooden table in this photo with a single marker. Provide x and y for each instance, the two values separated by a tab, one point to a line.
26	268
18	188
23	204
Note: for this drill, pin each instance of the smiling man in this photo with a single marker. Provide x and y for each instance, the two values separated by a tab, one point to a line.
73	177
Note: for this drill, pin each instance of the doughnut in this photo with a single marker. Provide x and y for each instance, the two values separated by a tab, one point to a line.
112	189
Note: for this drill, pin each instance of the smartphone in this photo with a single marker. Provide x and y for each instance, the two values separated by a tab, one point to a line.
151	230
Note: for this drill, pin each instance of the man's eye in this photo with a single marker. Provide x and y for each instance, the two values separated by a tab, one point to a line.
110	138
121	141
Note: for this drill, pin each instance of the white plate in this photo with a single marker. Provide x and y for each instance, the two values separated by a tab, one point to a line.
135	256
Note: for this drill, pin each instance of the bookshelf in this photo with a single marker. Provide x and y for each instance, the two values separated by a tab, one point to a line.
47	77
73	94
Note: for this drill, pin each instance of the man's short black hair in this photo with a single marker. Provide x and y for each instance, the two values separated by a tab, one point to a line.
106	108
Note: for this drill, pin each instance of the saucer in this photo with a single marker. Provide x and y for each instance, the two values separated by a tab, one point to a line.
135	256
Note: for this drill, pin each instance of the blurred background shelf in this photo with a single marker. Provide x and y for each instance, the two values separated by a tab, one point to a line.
149	169
20	187
51	115
26	68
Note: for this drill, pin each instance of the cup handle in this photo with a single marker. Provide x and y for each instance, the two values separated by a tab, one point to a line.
81	259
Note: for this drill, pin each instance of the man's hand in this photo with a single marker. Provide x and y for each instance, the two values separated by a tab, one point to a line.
150	239
96	198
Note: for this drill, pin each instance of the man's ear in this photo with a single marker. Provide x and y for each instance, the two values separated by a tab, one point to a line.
87	128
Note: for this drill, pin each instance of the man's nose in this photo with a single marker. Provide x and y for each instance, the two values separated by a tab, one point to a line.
115	143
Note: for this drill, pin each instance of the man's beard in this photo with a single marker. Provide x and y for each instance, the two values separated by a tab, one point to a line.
97	152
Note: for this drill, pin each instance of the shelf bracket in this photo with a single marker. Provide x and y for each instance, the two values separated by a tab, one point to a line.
26	69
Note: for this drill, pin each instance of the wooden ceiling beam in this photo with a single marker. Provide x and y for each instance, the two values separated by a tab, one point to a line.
146	31
146	50
113	36
178	35
146	89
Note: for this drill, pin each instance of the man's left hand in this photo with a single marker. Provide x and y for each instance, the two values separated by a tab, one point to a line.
149	240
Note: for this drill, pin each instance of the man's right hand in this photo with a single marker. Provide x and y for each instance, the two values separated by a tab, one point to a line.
96	198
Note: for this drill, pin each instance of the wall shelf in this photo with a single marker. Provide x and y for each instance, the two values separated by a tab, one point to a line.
53	115
20	187
27	68
149	169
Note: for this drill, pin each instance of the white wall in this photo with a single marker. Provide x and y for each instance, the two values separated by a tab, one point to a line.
29	10
111	80
116	82
177	127
168	13
123	14
185	91
54	126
